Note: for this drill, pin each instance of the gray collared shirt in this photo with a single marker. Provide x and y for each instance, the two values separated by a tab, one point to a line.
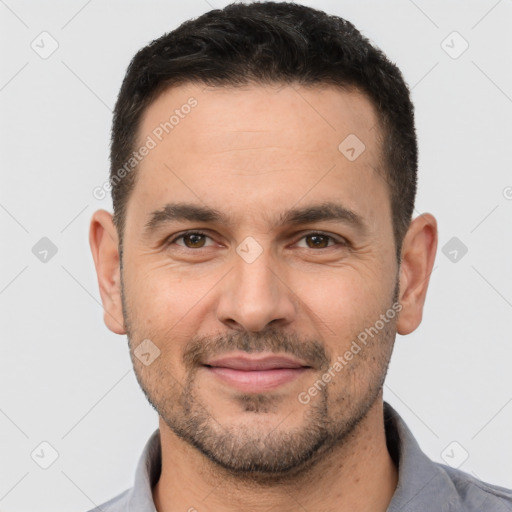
423	485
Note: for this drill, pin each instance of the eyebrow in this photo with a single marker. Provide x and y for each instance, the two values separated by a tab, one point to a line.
326	211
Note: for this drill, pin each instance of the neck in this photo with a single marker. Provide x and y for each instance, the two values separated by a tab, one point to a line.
357	476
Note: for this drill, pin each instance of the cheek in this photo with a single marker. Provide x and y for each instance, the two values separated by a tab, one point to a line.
162	293
168	306
343	300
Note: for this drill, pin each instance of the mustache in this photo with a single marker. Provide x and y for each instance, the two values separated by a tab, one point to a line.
203	348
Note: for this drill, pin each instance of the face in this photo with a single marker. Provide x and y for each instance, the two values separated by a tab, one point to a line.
257	256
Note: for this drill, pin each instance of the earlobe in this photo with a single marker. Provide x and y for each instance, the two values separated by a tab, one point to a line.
418	255
103	241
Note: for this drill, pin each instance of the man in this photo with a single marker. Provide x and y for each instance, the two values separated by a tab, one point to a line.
261	258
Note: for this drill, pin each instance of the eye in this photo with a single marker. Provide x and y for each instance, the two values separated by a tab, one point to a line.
199	240
320	241
191	240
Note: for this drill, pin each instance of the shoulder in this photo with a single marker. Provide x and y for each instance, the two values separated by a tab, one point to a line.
427	485
139	497
116	504
472	495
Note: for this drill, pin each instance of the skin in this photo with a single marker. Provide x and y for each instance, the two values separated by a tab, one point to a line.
253	153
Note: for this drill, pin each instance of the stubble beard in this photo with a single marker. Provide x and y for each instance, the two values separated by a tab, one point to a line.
262	453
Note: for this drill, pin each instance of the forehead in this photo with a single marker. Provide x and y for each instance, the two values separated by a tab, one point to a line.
257	146
289	115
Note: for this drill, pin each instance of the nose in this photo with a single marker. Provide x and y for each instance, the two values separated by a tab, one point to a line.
254	294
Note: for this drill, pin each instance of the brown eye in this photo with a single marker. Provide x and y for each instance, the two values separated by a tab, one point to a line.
194	240
317	241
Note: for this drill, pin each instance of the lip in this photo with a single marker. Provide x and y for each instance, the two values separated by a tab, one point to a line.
256	374
256	362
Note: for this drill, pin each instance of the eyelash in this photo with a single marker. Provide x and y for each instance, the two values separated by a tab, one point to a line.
342	241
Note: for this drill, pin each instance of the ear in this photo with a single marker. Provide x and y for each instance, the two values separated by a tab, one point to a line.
103	240
418	255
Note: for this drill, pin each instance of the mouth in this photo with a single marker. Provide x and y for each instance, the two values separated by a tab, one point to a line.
256	373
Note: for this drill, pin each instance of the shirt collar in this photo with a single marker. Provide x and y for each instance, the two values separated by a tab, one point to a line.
422	484
149	467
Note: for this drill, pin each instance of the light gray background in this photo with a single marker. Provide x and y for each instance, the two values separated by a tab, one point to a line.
67	380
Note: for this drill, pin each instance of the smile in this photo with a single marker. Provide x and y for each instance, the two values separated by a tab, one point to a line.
256	374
